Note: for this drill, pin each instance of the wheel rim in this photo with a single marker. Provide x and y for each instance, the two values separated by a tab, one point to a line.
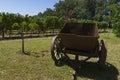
56	49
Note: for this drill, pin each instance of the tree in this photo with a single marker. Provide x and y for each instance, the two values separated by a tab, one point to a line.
91	8
61	22
33	26
113	2
40	22
0	23
66	8
81	9
100	6
5	23
51	22
15	26
0	19
48	12
115	16
11	20
19	18
103	13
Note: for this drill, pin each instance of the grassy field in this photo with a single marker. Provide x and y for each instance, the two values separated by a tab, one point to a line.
39	65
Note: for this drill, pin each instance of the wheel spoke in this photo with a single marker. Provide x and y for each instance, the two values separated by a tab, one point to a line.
57	49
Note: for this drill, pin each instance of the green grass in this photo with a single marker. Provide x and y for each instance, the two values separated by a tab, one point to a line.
39	65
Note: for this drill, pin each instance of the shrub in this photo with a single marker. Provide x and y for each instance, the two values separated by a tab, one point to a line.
116	29
103	26
86	21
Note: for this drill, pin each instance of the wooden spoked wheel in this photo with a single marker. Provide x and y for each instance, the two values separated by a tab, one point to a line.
56	50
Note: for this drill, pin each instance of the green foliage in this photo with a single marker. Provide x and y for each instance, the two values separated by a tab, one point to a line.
0	22
48	12
51	22
115	18
84	11
61	22
75	8
91	8
15	26
100	7
40	23
117	29
0	19
73	20
86	21
19	18
33	26
102	25
23	24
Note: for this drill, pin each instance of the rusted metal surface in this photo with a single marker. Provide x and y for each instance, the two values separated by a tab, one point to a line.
81	36
83	29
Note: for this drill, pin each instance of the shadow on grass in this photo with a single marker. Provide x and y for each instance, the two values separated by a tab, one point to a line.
92	71
34	54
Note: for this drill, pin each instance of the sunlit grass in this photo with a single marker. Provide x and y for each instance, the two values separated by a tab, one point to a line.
38	65
16	66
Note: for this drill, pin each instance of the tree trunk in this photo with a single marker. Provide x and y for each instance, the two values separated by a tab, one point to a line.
3	33
10	32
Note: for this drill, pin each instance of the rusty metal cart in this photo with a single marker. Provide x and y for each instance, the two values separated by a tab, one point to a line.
79	39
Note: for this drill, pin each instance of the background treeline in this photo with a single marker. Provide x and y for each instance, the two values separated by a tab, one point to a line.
13	24
105	12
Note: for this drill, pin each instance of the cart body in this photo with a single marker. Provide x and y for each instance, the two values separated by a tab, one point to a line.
79	39
83	37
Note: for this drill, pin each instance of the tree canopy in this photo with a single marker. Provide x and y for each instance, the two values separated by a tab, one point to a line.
73	10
